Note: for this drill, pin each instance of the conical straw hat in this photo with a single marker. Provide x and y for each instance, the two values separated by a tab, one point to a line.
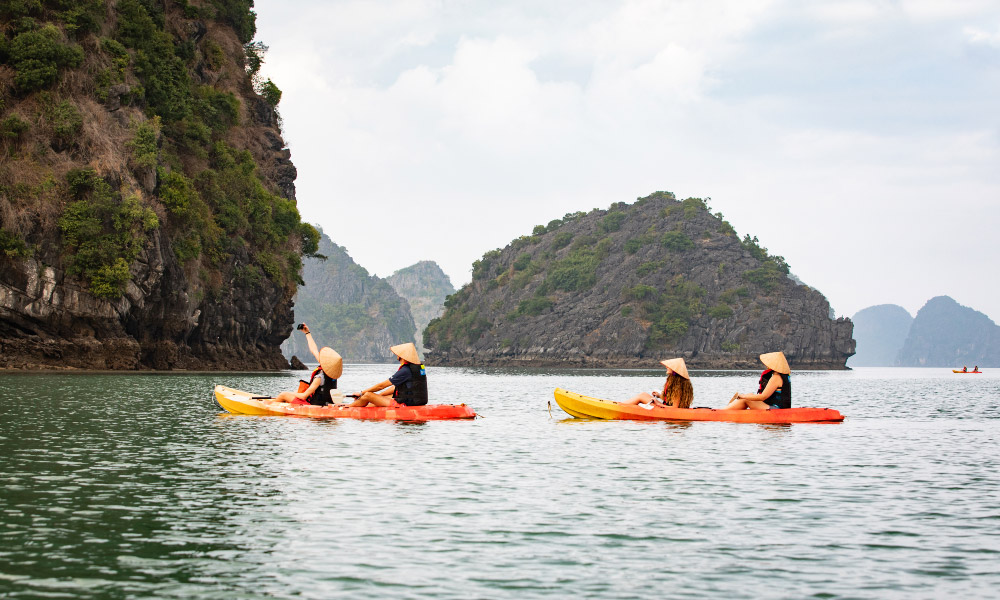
331	362
677	366
776	361
407	352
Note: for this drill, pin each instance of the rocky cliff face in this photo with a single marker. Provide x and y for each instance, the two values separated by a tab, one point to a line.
880	332
946	334
357	314
425	286
147	214
627	286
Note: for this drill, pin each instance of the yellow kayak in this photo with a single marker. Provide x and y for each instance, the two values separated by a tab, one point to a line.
244	403
585	407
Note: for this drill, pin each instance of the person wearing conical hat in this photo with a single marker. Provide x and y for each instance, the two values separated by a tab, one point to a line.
321	387
407	386
677	390
774	389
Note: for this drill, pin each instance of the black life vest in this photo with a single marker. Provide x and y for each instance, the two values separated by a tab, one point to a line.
782	397
413	391
322	396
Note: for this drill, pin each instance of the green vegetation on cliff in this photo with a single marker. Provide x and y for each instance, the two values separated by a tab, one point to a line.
137	117
654	278
358	314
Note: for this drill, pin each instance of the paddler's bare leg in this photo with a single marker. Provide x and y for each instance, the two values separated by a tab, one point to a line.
372	398
285	397
643	398
741	404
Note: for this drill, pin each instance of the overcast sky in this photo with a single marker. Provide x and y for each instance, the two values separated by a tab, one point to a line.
858	139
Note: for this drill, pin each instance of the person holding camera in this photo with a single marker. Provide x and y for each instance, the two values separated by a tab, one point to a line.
322	382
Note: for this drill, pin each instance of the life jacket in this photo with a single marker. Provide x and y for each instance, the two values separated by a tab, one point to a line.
322	394
413	391
782	397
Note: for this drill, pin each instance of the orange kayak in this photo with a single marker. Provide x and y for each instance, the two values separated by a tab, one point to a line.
586	407
245	403
966	372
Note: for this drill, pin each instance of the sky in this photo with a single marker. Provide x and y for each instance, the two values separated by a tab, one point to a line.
859	139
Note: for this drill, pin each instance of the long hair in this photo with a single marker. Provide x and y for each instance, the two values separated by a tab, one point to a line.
677	391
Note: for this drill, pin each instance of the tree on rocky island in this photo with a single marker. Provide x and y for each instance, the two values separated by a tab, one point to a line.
632	284
146	194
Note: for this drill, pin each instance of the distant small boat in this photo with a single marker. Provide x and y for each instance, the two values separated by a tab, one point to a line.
966	372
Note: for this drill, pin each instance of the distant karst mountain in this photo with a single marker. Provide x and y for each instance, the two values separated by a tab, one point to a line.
947	334
627	286
425	286
880	332
357	314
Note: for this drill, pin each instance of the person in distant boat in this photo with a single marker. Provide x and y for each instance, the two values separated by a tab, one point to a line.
677	390
407	386
975	369
774	390
322	384
965	369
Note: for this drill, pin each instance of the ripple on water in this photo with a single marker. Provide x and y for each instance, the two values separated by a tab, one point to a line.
134	486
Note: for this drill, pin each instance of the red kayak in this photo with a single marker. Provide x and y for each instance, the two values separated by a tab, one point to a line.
244	403
586	407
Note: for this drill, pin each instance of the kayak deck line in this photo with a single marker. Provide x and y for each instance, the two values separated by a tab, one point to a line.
239	402
586	407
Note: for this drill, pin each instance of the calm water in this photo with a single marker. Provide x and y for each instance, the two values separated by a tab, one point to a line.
126	486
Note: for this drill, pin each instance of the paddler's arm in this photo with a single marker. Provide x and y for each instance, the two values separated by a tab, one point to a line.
309	390
310	341
378	386
771	386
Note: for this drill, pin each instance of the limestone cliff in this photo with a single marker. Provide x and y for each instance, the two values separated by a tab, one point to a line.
357	314
147	207
946	334
880	332
627	286
425	286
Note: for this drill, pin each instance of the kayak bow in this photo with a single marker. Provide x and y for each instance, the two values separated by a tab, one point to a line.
585	407
243	403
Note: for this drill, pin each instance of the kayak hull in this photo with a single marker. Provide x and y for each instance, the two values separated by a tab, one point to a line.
966	372
243	403
585	407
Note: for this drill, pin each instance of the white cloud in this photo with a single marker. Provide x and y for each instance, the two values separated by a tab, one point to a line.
861	126
978	36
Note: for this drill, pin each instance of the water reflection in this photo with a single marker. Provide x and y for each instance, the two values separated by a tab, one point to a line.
134	485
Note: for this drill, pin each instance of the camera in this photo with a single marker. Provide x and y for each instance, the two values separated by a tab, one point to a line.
300	326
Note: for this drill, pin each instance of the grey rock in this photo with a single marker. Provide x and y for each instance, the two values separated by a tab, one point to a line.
357	314
516	312
425	286
946	334
880	332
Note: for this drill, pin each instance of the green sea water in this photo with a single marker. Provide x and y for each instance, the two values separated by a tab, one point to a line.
135	486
